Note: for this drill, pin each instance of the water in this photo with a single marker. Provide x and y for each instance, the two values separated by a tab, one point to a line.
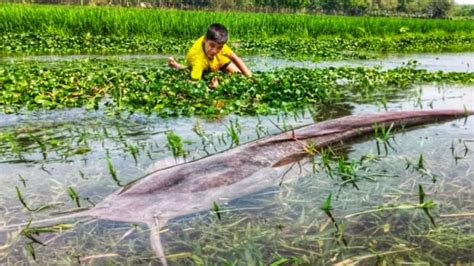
451	62
56	150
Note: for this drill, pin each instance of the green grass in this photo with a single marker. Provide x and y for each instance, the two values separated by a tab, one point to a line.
46	29
116	21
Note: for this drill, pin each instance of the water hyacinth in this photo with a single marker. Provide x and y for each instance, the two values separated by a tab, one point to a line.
95	83
324	47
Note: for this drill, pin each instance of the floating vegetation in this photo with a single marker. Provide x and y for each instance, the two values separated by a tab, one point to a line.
94	84
324	47
347	204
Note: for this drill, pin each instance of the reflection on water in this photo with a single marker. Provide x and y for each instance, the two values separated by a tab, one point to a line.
45	153
450	62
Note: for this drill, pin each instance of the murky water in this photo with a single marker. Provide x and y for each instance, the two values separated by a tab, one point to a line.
452	62
47	154
44	154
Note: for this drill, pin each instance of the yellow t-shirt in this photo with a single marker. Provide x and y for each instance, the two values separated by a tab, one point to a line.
199	62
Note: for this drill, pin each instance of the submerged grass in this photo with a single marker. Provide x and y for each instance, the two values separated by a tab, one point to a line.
297	233
27	207
287	224
175	144
383	136
233	130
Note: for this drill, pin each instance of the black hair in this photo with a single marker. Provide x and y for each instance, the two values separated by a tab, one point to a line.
217	33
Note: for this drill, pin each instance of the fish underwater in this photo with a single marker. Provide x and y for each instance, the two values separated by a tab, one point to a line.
195	186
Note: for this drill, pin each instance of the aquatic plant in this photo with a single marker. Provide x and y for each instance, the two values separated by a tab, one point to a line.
278	224
425	205
232	130
74	196
324	47
326	207
217	210
348	171
420	168
170	92
31	234
41	145
112	171
383	135
23	202
260	129
22	179
175	144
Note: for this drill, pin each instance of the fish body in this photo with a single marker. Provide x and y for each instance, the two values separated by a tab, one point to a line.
195	186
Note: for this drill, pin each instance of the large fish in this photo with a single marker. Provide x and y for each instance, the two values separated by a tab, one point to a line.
194	186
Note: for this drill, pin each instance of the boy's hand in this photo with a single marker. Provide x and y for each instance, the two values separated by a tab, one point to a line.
214	83
172	63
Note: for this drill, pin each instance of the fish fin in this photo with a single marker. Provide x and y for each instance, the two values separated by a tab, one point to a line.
290	159
155	240
77	210
130	185
11	227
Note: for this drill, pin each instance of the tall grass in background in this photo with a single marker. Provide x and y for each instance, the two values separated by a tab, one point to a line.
118	21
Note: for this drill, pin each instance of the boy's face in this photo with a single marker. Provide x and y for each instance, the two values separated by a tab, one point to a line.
212	48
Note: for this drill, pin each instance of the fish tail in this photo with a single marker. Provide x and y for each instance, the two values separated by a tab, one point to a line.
155	240
71	215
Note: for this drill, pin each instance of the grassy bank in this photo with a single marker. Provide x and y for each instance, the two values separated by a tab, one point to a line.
116	21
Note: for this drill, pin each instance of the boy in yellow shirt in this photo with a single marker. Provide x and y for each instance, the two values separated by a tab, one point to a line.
210	52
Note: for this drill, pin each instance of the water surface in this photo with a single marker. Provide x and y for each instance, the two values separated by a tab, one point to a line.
451	62
45	153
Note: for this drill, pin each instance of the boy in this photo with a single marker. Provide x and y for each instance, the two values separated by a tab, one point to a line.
210	52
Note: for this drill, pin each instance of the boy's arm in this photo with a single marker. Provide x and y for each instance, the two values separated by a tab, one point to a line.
240	64
196	72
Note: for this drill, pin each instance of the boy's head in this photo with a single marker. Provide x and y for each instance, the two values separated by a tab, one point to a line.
215	39
217	33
